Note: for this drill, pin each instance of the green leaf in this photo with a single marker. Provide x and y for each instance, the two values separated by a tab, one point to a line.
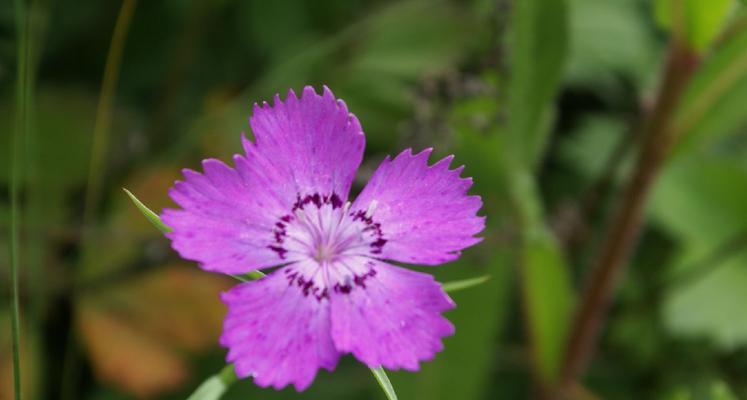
593	63
592	143
538	42
148	213
702	20
464	284
708	306
548	299
710	190
713	104
546	283
384	382
214	387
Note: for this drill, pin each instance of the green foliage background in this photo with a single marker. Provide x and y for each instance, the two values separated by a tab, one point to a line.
540	99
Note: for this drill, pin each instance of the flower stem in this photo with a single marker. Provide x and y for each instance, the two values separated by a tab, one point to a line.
384	382
658	136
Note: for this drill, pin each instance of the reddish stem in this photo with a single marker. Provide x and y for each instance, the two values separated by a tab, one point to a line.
658	137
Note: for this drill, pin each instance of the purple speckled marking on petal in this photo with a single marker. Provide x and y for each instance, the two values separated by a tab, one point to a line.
424	212
277	334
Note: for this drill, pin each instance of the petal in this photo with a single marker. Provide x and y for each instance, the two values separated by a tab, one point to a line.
425	214
389	316
224	224
307	145
278	333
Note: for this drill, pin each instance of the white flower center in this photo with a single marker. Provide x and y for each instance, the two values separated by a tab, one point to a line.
321	228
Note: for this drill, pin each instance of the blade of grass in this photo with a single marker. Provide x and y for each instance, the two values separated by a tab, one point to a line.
464	283
148	213
104	109
384	382
100	140
22	26
34	245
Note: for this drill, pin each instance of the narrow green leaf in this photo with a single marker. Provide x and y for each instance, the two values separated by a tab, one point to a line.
546	284
713	104
214	387
538	52
384	382
20	131
464	284
148	213
538	42
548	302
158	223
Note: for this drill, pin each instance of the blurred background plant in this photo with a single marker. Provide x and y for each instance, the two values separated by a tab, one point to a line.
581	121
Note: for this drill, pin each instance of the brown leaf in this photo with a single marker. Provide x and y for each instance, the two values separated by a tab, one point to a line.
137	332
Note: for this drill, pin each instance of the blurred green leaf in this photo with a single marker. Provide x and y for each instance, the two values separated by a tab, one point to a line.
702	20
592	62
546	284
720	391
591	144
702	200
713	104
548	299
710	191
711	306
538	43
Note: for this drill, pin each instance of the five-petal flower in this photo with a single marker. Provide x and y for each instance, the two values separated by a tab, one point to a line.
284	205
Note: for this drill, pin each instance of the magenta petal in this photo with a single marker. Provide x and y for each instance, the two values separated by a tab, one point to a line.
222	224
389	316
307	145
425	213
277	334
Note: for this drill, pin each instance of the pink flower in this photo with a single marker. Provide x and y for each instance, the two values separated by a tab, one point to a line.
285	205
